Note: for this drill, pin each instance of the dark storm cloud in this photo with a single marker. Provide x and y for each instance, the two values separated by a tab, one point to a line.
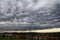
41	13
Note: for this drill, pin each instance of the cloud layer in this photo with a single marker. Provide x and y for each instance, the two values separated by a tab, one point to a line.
43	13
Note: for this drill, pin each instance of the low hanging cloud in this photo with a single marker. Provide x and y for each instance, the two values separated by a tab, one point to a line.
42	13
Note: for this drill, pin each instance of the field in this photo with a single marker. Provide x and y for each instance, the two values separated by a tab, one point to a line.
29	36
20	39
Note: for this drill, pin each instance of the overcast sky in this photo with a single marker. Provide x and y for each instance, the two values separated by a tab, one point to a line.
42	13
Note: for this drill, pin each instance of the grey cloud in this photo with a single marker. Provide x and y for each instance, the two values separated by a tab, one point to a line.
33	12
